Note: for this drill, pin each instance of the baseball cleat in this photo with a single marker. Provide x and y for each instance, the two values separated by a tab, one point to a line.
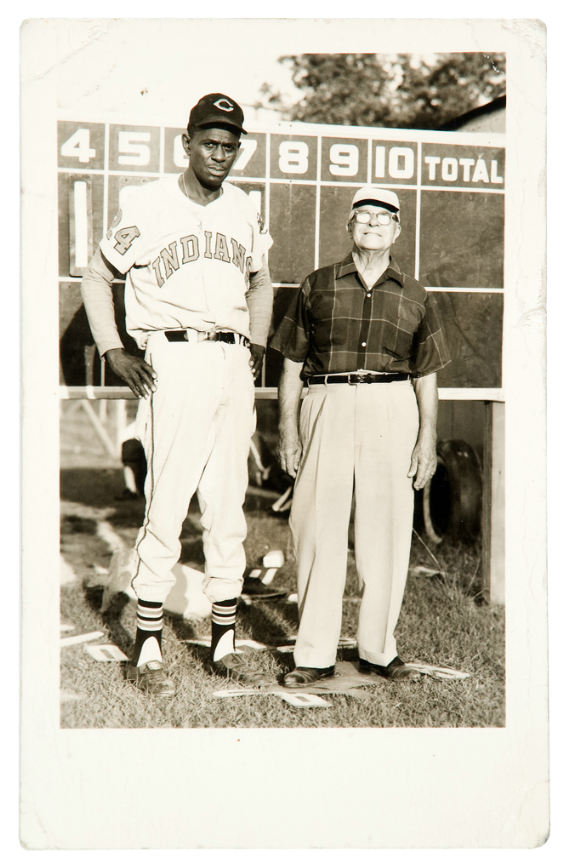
150	678
233	667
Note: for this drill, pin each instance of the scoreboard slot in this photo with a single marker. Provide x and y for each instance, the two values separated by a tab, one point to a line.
81	243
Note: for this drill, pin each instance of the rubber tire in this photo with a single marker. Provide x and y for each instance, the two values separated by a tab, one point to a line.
452	500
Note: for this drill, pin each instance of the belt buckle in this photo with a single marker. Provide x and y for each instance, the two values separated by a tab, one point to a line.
358	378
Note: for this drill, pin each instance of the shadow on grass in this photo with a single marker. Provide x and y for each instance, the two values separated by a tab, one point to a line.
269	628
112	616
182	628
71	524
199	654
95	487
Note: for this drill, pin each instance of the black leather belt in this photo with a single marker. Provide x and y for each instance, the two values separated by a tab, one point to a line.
358	378
190	335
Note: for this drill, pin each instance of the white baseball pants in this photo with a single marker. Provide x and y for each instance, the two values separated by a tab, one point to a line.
355	438
196	430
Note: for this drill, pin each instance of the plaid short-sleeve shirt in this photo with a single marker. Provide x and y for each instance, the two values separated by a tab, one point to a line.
337	324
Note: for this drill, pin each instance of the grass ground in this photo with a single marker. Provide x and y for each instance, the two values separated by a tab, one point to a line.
443	622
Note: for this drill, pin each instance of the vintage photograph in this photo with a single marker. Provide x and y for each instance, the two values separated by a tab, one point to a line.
283	308
142	520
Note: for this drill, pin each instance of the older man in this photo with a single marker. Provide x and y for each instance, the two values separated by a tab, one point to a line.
364	339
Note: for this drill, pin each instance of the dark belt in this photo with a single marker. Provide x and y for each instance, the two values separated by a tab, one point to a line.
358	378
191	335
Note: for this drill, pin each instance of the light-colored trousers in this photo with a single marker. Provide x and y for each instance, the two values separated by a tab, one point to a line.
356	439
196	430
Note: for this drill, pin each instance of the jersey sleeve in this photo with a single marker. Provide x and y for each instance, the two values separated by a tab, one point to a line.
96	289
121	244
259	303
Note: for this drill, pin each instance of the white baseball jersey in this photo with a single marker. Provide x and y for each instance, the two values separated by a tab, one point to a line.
187	265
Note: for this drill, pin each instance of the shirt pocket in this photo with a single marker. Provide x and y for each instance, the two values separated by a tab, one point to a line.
321	324
399	334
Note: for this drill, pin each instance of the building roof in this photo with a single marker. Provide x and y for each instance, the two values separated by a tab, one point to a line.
493	107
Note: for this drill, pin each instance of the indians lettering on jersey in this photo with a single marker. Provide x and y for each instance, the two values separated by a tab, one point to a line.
187	249
186	265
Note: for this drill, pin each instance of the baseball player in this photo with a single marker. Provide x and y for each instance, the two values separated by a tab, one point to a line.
198	300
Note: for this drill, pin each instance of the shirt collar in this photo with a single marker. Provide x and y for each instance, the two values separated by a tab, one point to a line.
347	266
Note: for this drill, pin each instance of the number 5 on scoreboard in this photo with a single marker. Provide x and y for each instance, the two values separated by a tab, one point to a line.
134	148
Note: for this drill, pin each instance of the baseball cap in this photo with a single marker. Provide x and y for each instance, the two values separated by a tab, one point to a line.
374	195
217	108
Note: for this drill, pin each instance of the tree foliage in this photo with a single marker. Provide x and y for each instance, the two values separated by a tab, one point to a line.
399	90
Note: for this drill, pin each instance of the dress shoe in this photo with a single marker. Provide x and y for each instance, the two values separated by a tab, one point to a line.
150	678
396	670
303	676
233	666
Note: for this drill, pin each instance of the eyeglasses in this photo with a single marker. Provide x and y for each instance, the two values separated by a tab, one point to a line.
364	217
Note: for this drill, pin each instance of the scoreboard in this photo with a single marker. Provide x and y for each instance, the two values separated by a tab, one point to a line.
302	177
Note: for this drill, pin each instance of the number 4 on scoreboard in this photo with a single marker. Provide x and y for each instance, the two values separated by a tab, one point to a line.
78	146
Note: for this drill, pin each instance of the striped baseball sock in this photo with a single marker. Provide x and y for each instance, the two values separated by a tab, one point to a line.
223	628
149	632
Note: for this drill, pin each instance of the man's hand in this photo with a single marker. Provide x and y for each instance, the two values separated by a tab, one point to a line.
289	451
423	460
256	358
289	392
137	374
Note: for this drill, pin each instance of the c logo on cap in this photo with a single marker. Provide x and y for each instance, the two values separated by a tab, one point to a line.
223	105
